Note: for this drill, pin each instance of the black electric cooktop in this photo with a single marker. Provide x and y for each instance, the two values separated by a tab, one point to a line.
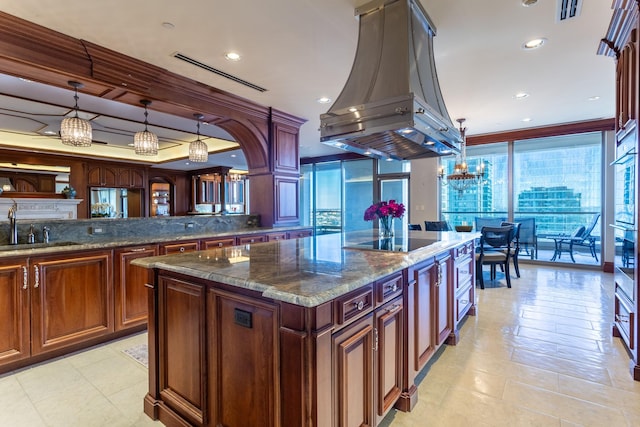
395	244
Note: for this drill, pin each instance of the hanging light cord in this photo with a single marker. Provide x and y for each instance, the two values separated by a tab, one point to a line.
146	113
75	96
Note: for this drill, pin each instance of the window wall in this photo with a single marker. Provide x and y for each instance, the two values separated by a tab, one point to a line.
335	194
553	186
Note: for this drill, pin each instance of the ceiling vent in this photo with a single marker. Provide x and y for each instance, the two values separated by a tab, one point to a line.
568	9
221	73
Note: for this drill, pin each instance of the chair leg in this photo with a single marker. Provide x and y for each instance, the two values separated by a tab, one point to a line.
507	274
571	251
515	265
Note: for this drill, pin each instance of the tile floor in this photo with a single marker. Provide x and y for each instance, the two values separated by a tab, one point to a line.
539	354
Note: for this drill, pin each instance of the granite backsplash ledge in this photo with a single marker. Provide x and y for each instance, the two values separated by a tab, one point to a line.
105	229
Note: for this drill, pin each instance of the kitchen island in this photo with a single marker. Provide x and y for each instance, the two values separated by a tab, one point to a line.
319	331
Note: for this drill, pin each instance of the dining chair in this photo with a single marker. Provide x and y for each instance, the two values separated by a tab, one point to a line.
415	227
488	222
494	249
436	226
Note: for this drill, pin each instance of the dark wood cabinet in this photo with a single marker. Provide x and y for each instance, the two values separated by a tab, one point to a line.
71	299
389	340
130	299
443	297
114	176
243	348
15	317
102	176
272	237
424	277
353	367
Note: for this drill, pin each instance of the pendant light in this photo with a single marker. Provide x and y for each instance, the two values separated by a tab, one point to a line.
75	131
198	150
145	143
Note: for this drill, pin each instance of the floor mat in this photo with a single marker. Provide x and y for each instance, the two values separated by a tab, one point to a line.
140	353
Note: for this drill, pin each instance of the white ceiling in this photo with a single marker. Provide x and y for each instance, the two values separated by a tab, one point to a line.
300	50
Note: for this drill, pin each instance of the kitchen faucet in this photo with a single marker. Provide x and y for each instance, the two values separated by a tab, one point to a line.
13	224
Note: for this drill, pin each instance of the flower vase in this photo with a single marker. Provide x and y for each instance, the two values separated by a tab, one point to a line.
386	227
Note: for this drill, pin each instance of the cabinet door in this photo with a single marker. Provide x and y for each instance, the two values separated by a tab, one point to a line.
425	276
137	178
443	300
130	286
353	374
300	233
181	334
71	299
102	176
14	312
242	337
390	330
272	237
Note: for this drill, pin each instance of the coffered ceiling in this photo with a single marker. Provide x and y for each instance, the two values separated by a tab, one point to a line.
302	50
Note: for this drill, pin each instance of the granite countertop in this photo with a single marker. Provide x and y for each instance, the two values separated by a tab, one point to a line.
307	271
29	249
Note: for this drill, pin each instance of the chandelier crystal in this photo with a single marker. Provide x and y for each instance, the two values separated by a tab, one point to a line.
461	179
145	143
198	150
75	131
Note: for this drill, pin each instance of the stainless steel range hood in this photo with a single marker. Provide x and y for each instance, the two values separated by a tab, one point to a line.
391	105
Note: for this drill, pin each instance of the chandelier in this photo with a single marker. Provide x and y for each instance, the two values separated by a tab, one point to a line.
198	150
145	143
75	131
461	179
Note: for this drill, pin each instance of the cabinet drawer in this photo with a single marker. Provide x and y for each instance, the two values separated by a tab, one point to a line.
354	303
461	251
217	243
388	288
174	248
463	272
300	233
625	319
272	237
464	300
243	240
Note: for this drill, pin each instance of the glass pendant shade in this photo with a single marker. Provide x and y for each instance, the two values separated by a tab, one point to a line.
145	143
75	131
198	150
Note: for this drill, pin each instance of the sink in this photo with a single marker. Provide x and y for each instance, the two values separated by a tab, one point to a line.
22	246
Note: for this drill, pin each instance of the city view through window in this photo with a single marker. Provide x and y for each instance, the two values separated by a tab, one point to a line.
556	190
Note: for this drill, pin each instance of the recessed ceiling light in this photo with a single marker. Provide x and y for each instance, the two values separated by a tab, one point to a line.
534	43
593	98
353	109
323	100
233	155
25	80
168	25
521	95
50	132
232	56
527	3
526	119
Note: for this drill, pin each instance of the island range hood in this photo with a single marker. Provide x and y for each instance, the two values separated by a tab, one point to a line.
391	106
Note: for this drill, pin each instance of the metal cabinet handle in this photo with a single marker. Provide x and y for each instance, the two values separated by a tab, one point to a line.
394	308
359	305
36	272
149	285
138	250
220	244
375	339
25	277
439	280
181	248
393	287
